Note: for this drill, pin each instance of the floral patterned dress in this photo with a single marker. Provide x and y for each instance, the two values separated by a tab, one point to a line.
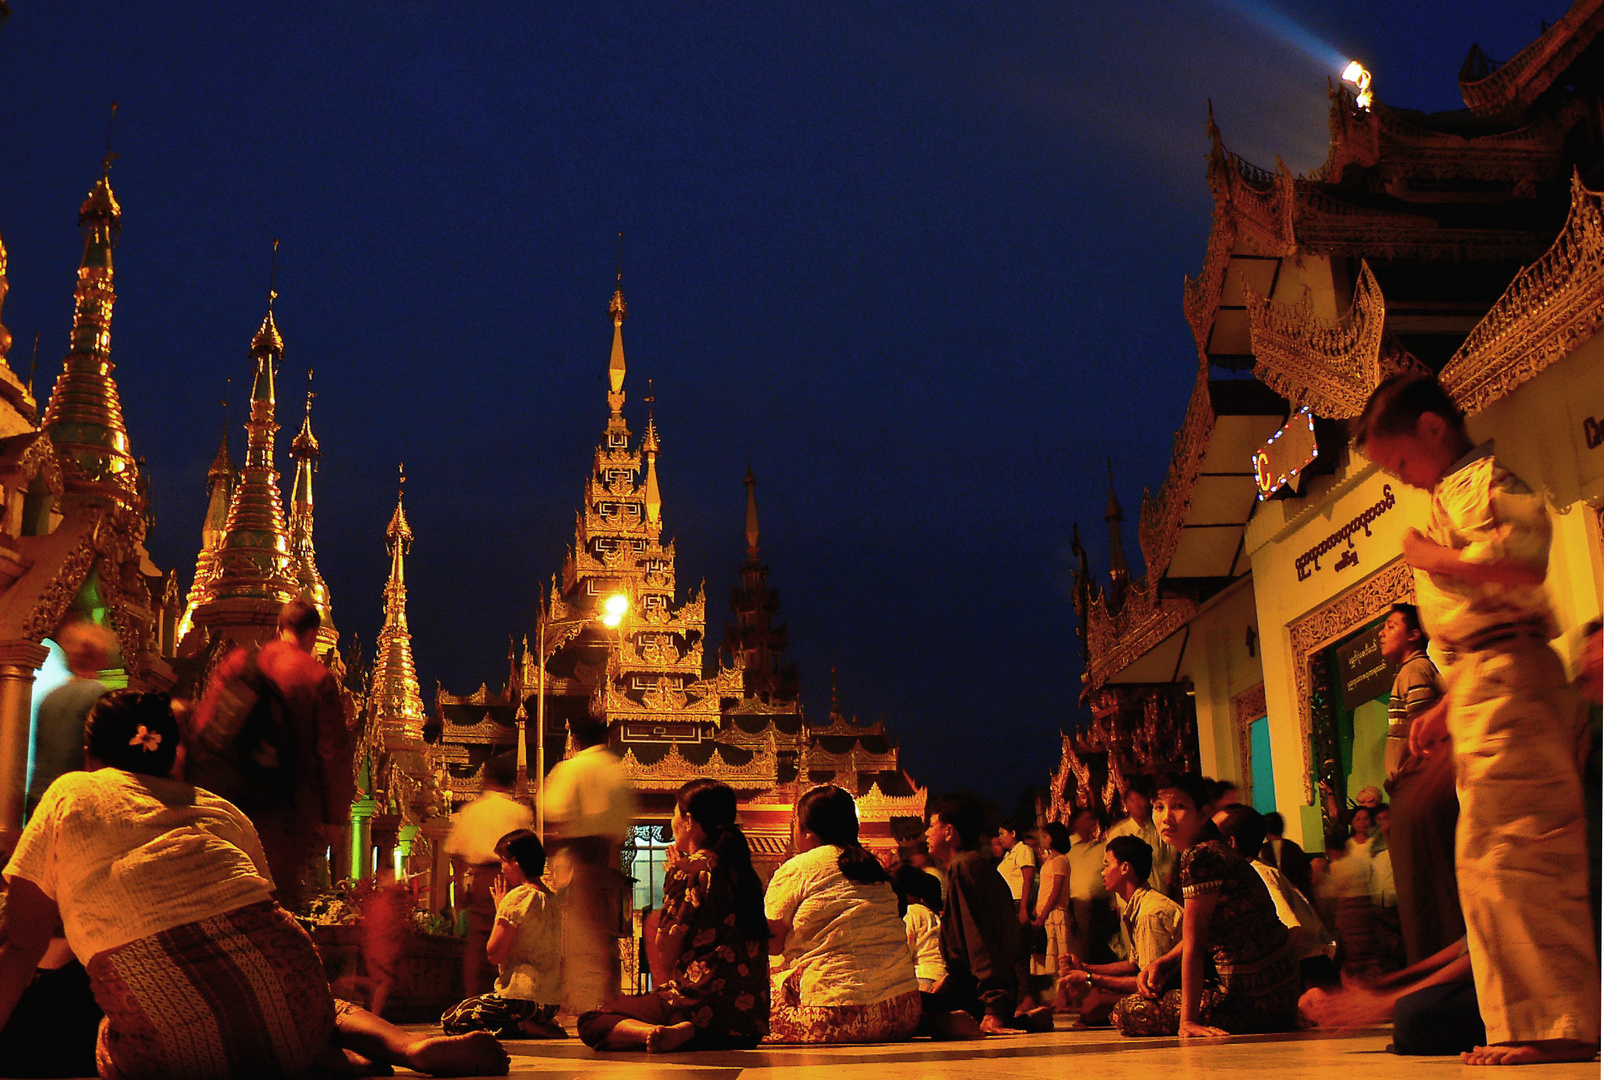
721	984
1252	984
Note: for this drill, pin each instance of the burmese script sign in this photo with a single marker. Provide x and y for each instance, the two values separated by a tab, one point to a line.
1365	673
1342	539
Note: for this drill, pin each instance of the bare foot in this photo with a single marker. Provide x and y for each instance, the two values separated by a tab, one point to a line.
667	1038
1035	1021
477	1053
993	1025
541	1029
953	1025
1531	1053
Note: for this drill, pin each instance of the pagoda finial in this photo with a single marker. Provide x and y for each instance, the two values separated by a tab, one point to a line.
615	363
1118	570
649	444
267	341
306	452
835	694
751	515
84	418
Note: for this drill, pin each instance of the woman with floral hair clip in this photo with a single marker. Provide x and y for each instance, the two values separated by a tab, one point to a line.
162	888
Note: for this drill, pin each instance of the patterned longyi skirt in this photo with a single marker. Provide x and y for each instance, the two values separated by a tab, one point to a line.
238	995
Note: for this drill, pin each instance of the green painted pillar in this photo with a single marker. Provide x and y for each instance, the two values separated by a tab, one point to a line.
362	814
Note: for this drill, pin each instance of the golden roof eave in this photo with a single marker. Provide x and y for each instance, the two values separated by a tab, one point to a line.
1551	307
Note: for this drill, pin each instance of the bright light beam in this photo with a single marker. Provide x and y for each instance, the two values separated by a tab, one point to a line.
1286	29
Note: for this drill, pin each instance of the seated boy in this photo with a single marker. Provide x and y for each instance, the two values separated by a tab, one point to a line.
979	934
525	944
1150	925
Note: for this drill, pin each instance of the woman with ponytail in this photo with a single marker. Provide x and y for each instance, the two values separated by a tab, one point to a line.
710	966
847	975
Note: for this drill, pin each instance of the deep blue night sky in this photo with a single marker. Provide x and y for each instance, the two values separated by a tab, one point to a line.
920	265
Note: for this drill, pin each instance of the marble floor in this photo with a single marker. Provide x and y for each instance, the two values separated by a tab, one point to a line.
1082	1054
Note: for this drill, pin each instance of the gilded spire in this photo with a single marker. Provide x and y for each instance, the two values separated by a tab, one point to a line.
219	494
304	448
85	417
649	446
255	551
396	703
615	364
1118	571
5	287
751	515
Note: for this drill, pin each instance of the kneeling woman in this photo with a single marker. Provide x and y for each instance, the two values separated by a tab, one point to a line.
847	975
163	887
1230	921
710	965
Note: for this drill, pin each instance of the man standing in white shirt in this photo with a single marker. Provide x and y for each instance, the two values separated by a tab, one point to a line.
589	810
471	844
1139	823
1090	913
1018	867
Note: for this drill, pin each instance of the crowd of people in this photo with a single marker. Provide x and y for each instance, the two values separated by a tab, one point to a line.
145	917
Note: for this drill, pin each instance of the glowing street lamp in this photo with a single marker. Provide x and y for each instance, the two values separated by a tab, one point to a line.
1356	74
614	609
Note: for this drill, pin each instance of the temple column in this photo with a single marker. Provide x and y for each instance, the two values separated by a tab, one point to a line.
18	662
435	830
362	814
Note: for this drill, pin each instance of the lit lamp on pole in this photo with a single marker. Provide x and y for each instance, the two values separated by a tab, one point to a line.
614	609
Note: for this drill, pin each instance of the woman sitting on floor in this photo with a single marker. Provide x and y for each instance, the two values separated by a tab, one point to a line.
525	945
847	975
1229	919
710	967
164	889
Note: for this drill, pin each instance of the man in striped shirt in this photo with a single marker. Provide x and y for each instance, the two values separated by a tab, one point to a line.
1416	687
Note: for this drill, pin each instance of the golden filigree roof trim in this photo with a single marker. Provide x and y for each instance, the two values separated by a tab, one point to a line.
1330	366
1550	308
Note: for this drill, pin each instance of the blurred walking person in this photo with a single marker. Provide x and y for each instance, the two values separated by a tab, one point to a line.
475	866
589	811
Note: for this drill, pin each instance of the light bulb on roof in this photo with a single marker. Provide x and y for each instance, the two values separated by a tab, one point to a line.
1352	72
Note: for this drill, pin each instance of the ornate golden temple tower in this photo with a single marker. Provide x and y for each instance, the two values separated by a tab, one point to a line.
395	705
254	573
645	680
304	448
84	420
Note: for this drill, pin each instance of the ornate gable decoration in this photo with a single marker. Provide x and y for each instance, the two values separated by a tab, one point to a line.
1550	308
672	770
1496	90
1250	204
1331	367
1115	640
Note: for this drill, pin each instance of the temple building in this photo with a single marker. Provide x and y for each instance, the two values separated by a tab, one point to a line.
672	712
1467	243
75	518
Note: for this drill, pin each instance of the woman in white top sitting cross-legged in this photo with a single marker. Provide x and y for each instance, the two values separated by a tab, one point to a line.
845	974
163	890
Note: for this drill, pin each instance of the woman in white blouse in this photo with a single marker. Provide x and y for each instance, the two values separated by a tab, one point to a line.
163	889
846	974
